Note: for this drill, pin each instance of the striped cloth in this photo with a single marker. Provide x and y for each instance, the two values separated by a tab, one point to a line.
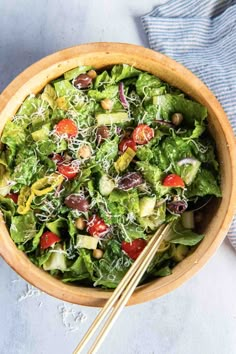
202	36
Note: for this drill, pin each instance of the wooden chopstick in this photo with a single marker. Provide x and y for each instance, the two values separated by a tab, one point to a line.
126	288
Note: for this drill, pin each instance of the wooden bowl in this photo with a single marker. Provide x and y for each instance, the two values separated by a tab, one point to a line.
99	55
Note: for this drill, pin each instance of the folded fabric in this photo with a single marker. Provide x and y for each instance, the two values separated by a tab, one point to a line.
202	36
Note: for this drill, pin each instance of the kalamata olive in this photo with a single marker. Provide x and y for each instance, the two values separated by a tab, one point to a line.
130	180
103	132
78	202
177	206
82	81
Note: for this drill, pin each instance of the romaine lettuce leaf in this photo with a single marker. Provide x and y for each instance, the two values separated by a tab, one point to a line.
108	92
110	270
23	227
205	183
65	88
58	226
26	168
73	73
102	80
123	71
192	111
13	136
107	153
149	85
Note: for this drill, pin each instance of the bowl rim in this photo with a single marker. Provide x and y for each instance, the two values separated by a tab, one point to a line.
153	289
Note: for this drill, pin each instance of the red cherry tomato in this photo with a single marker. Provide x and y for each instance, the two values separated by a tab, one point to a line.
142	134
67	127
125	143
13	196
57	158
68	171
173	180
48	239
134	248
96	226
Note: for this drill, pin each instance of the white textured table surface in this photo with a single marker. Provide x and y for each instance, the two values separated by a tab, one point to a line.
197	318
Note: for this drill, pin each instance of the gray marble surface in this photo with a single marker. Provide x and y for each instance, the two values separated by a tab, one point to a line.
197	318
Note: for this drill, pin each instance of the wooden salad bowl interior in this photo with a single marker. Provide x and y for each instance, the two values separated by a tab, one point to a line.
219	215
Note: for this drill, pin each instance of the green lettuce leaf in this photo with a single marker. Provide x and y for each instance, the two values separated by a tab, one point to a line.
58	227
26	168
132	232
107	153
65	88
192	111
162	272
110	270
182	236
149	85
7	207
102	80
108	92
13	136
205	183
123	71
73	73
152	222
153	175
23	227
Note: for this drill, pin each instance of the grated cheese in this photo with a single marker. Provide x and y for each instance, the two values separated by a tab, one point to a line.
29	292
71	318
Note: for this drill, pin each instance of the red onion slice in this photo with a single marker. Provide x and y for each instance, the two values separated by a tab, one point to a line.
187	161
123	99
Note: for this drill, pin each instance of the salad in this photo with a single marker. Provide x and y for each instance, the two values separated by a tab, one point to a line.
91	166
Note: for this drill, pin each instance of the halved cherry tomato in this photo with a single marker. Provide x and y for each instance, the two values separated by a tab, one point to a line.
96	226
68	171
142	134
48	239
125	143
13	196
134	248
57	158
68	127
173	180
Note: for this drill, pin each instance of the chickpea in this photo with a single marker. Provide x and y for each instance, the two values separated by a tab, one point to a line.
107	104
80	223
177	118
84	152
97	253
92	74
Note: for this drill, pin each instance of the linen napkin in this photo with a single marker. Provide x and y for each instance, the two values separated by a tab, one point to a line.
202	36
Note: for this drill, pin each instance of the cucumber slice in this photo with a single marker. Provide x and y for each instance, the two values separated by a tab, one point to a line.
189	172
88	242
112	118
106	185
146	206
56	260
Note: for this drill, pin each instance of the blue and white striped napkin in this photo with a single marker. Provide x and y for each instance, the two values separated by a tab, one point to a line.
202	36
